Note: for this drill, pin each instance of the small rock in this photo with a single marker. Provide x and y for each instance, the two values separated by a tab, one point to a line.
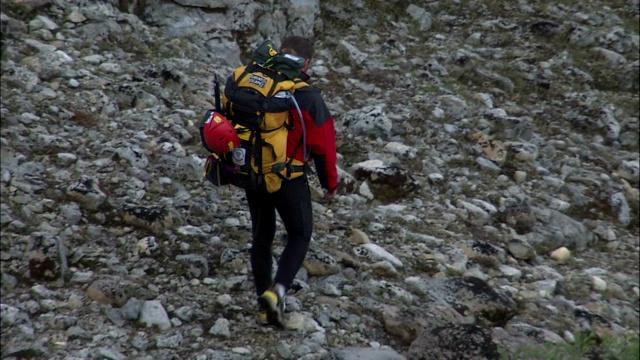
561	255
519	177
76	17
153	314
221	328
196	266
356	353
8	282
376	252
184	313
111	354
114	315
82	277
140	342
41	291
510	272
75	301
224	300
76	332
12	315
598	284
25	351
521	249
131	310
170	342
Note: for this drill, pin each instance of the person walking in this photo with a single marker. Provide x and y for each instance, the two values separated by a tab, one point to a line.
293	200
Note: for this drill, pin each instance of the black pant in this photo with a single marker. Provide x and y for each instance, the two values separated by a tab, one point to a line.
293	203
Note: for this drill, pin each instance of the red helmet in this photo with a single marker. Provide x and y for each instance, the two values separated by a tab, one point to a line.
218	133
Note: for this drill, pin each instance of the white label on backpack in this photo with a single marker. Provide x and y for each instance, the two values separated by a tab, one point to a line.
238	156
257	80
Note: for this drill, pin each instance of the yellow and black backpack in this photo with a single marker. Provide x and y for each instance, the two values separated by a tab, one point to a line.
257	99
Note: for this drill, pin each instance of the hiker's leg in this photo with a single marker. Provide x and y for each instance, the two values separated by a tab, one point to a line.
294	206
263	221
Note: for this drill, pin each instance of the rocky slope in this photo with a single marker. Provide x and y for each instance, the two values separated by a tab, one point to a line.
489	180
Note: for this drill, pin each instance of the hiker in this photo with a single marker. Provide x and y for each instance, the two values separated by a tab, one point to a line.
293	200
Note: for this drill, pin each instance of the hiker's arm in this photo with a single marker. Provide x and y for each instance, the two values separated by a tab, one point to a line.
324	154
321	136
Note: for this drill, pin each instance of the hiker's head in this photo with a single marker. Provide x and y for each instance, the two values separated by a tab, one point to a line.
300	46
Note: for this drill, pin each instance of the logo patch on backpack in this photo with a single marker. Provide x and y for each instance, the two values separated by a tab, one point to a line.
257	80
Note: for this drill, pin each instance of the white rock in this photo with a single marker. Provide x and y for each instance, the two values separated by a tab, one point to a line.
558	204
111	67
605	233
42	47
611	124
224	300
598	283
231	222
190	230
401	150
169	342
295	321
319	71
111	354
356	56
475	211
94	59
620	207
221	328
303	323
613	57
381	254
436	178
241	350
437	113
484	205
561	255
365	191
421	16
510	272
152	313
66	158
76	17
520	177
45	23
10	315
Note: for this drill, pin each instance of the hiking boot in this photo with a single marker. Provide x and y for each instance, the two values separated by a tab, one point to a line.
272	307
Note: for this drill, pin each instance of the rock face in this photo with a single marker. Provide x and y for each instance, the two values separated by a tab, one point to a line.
470	296
460	341
488	161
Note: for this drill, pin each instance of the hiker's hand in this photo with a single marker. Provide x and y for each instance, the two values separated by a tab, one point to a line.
329	194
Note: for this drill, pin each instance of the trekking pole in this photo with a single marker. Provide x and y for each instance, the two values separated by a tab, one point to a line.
216	89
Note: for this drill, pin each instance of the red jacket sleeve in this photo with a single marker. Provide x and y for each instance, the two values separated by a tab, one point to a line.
320	136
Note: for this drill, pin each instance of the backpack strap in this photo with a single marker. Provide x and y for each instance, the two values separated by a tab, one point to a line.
298	83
